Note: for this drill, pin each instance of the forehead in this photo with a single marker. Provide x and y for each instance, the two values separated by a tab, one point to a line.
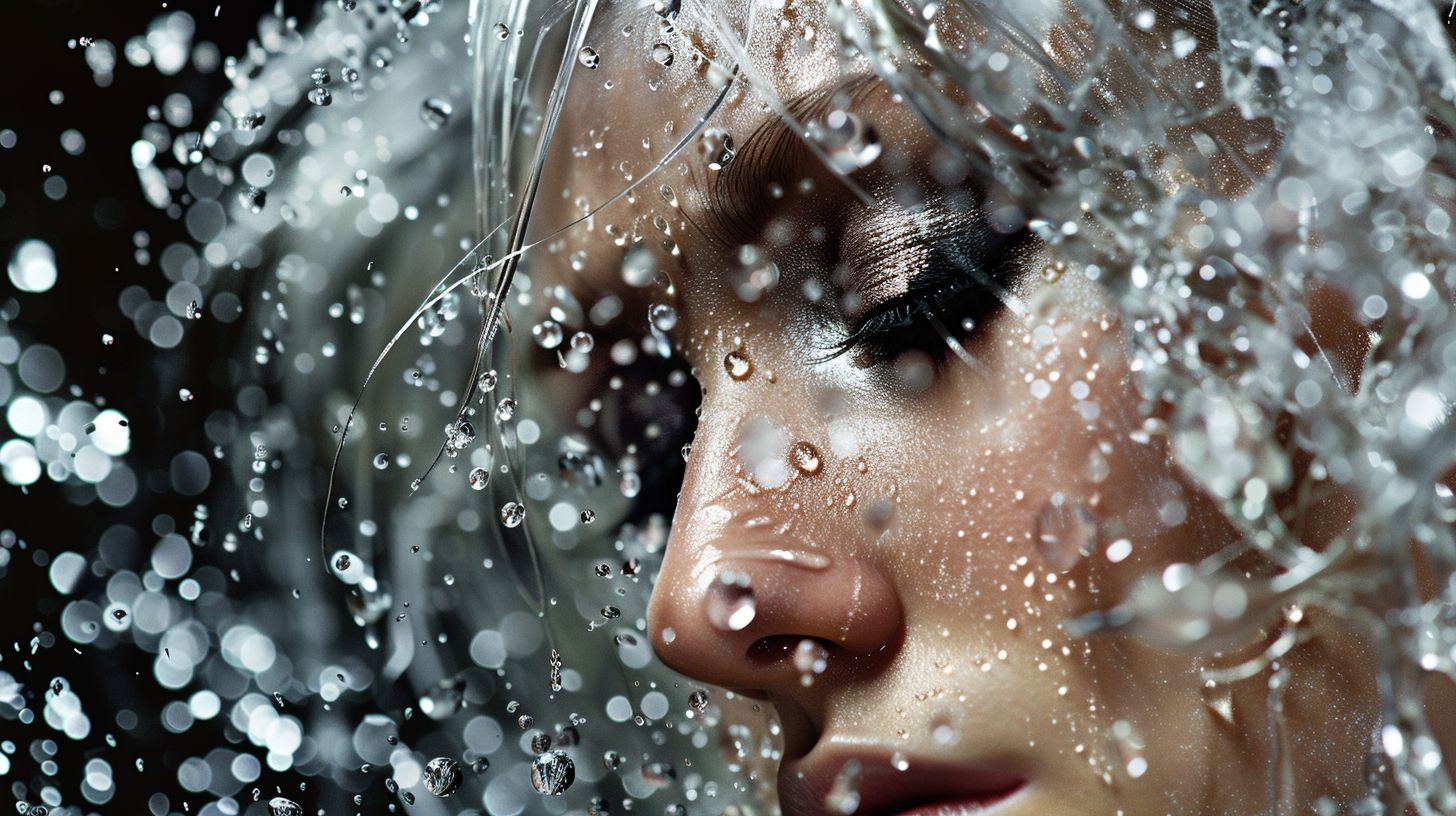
655	142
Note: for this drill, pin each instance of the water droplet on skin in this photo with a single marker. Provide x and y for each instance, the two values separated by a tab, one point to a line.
479	478
738	365
552	773
512	514
731	604
588	58
435	112
279	806
698	700
442	776
1129	748
662	54
717	148
843	797
849	142
805	458
1066	532
810	658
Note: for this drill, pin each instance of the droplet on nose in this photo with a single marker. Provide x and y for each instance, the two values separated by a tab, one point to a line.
1065	532
731	605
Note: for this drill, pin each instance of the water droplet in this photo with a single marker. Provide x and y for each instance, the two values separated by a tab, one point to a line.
479	478
487	381
1129	748
698	700
588	58
552	773
547	333
505	409
810	658
843	797
321	97
459	435
848	141
343	562
252	120
588	516
381	461
731	605
717	148
442	776
805	458
662	54
512	514
320	76
1066	531
738	365
435	112
279	806
662	317
502	32
253	198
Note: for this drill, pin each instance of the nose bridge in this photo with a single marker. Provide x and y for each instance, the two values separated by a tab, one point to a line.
761	587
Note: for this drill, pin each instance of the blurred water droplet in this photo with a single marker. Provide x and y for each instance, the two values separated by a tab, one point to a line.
731	605
279	806
547	333
843	797
435	112
1066	531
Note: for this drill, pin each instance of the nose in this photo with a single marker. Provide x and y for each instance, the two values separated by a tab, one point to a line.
755	595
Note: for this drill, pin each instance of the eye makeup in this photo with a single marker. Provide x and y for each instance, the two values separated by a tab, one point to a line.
910	278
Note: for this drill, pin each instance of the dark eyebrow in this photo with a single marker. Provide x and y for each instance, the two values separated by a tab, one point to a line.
737	197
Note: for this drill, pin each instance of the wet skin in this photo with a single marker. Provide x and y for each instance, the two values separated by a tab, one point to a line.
887	504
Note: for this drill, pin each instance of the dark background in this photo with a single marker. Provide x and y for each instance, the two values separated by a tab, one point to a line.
93	229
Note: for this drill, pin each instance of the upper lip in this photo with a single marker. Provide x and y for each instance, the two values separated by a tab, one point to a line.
884	790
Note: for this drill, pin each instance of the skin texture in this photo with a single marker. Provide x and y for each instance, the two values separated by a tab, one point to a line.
906	546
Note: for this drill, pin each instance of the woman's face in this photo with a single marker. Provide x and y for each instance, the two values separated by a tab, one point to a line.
920	451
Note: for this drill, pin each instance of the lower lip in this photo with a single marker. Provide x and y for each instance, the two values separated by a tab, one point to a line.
962	807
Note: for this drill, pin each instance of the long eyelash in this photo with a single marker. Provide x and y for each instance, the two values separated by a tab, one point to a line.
903	315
